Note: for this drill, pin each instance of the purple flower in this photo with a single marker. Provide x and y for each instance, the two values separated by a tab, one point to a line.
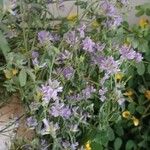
113	19
106	76
54	37
121	101
66	112
97	59
108	8
68	72
81	30
103	98
113	22
35	54
59	109
50	90
75	97
71	38
138	57
116	21
88	91
74	146
67	145
103	91
88	44
35	62
109	65
44	144
32	122
43	37
64	55
100	47
128	53
49	128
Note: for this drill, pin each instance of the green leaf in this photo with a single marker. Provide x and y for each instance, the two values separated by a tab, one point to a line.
141	99
140	68
115	117
56	50
130	145
96	146
110	134
101	137
4	45
140	109
147	11
117	143
135	43
140	13
141	89
138	7
31	74
148	68
131	107
130	71
22	77
143	46
119	130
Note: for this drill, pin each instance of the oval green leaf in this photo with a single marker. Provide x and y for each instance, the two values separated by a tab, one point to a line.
22	77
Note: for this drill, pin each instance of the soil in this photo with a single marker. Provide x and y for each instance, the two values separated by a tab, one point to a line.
13	123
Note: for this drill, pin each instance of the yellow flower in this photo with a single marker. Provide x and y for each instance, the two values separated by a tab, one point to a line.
87	146
143	22
119	76
129	93
8	74
95	24
126	114
14	71
147	94
72	17
135	121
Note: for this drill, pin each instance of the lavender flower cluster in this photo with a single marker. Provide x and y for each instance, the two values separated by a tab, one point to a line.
45	37
66	105
113	19
50	91
35	61
128	53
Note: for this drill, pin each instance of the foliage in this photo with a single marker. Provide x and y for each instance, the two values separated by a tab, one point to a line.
84	77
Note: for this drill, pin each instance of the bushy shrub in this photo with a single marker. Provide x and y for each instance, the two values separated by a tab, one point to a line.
74	73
